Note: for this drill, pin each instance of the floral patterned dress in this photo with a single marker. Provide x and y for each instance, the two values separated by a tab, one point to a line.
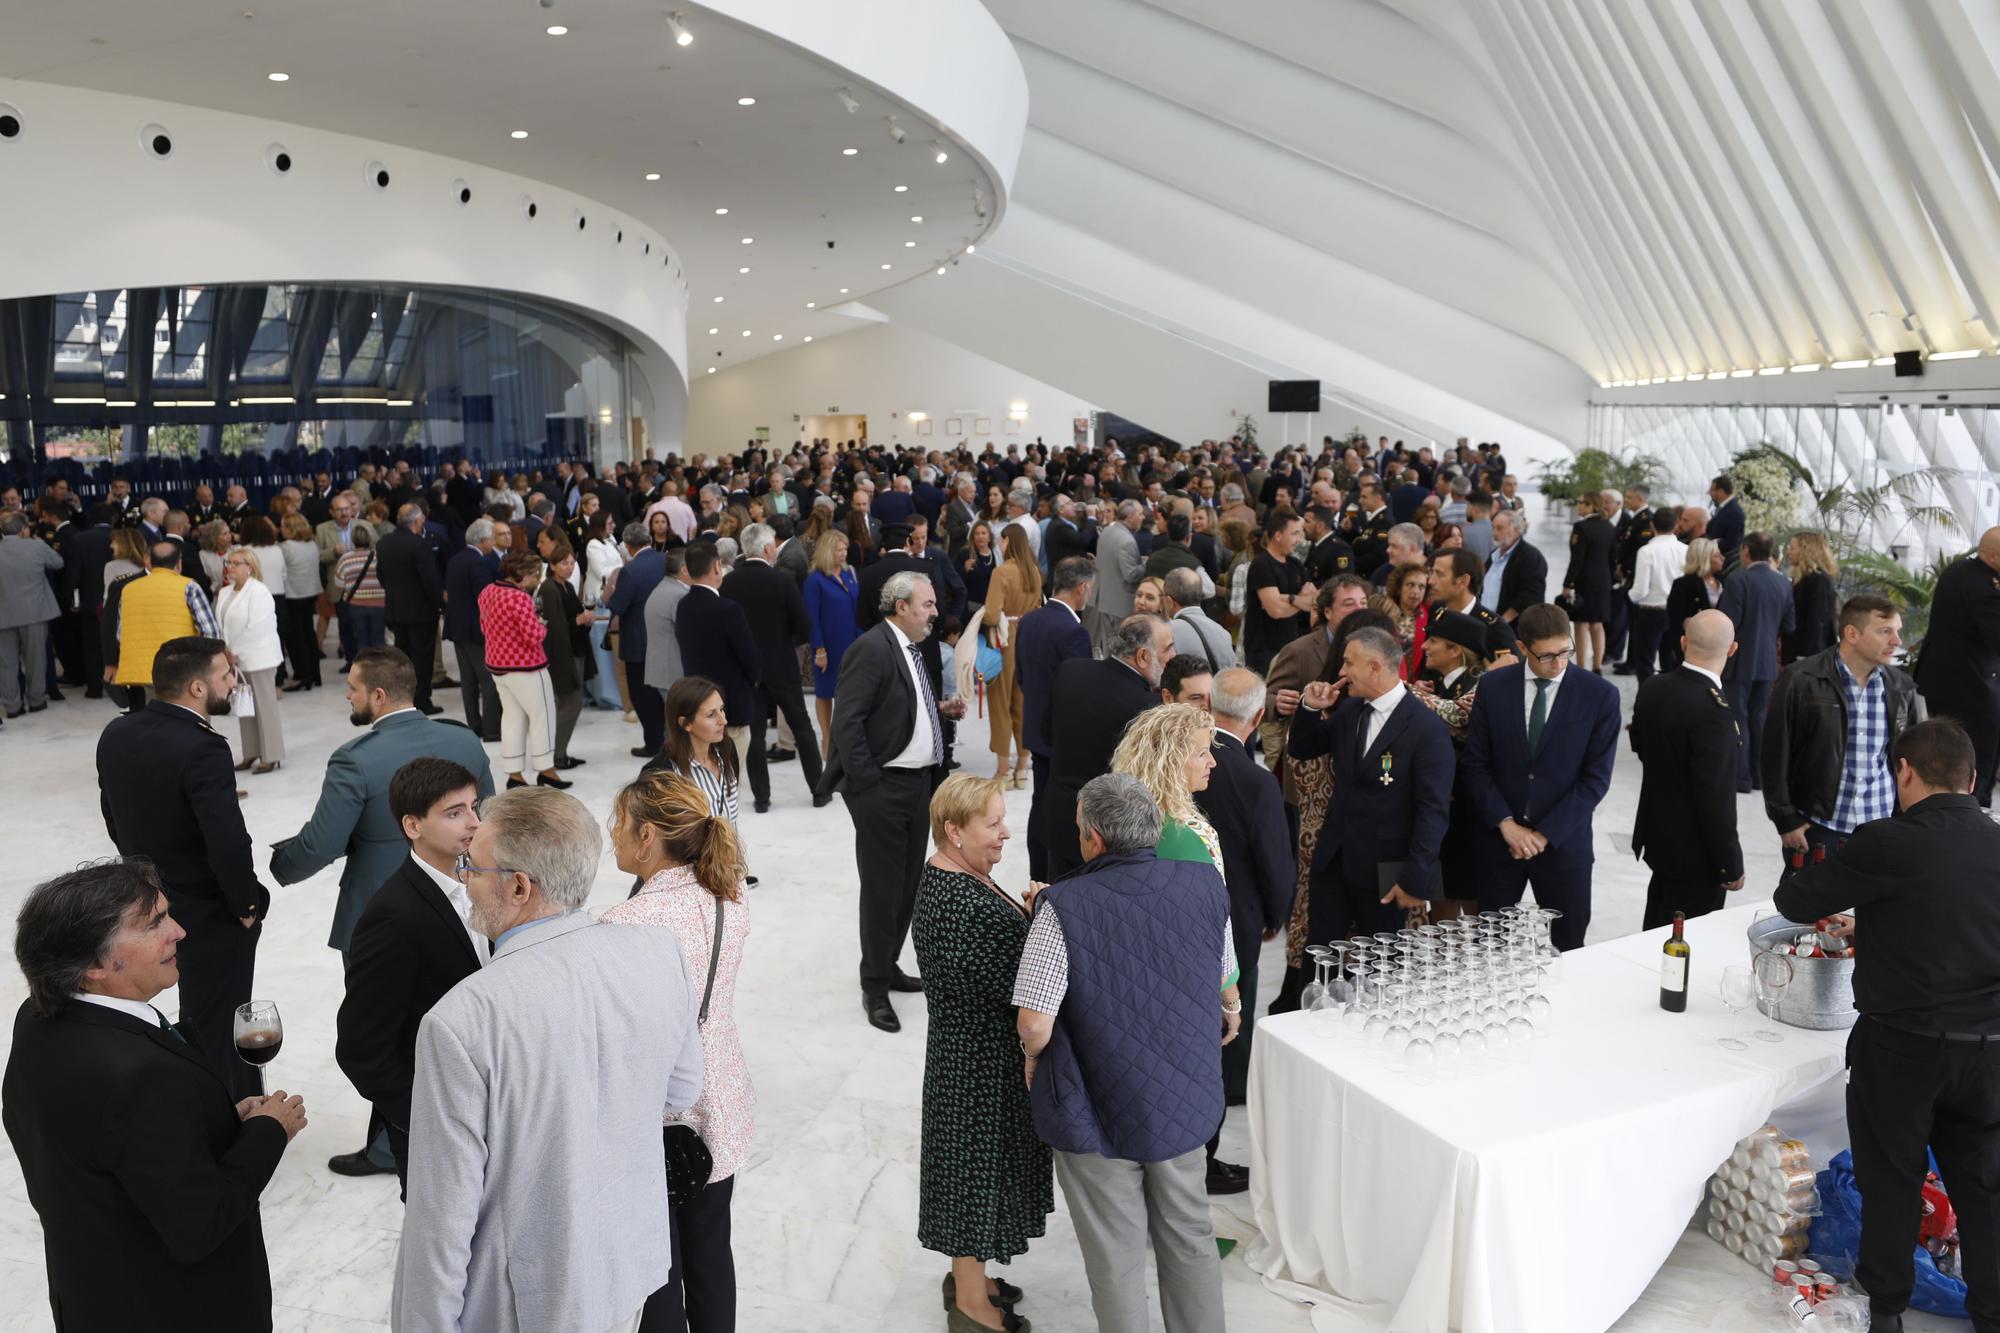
986	1182
726	1115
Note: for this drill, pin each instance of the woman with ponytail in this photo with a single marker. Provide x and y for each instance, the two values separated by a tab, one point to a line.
664	830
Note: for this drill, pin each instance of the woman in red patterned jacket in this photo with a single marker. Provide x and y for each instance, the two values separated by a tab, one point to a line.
520	667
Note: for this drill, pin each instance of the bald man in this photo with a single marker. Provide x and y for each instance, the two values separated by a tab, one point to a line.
1959	671
1685	736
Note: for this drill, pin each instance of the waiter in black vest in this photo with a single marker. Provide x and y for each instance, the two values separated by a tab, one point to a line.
1924	1060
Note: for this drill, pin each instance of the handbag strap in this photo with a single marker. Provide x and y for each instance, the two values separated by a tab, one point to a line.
714	954
366	565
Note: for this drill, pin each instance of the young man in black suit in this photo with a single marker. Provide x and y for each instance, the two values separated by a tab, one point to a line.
1047	637
1090	703
414	942
715	642
413	592
777	614
168	792
143	1167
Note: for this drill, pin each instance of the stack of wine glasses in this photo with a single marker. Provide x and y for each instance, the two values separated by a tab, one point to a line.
1762	1201
1448	999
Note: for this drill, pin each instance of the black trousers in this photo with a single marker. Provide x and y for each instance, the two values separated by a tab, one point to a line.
649	704
783	696
1905	1092
1984	729
700	1295
302	638
476	690
66	638
892	830
1038	837
1649	626
1666	895
399	1148
418	639
1749	699
1236	1055
93	658
1562	884
1617	626
218	964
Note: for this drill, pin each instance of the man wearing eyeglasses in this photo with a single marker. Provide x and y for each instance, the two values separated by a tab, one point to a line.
1538	754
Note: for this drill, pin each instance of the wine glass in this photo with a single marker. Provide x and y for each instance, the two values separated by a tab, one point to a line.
259	1033
1309	997
1773	975
1737	992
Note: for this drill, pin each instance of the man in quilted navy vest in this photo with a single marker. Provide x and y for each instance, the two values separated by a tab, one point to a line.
1123	1029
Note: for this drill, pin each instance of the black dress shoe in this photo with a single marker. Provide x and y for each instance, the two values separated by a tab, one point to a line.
42	708
750	881
93	693
18	712
881	1013
516	782
1227	1178
907	984
544	780
641	752
778	755
820	802
429	710
762	807
357	1164
446	684
55	696
1885	1323
568	762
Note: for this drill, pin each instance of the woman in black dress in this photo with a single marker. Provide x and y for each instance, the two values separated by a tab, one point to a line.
1593	543
1815	604
1699	588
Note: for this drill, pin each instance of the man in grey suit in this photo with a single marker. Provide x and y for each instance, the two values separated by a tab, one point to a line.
538	1195
353	818
663	643
1119	567
1758	601
27	606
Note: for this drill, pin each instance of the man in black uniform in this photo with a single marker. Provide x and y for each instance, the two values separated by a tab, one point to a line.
1326	556
1959	669
1367	528
1924	1060
1635	529
1685	734
1456	575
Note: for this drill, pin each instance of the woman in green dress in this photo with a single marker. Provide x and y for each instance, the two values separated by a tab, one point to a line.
986	1182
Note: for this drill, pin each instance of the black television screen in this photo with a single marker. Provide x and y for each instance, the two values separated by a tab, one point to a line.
1294	396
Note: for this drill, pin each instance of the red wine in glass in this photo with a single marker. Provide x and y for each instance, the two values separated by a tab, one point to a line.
259	1034
259	1045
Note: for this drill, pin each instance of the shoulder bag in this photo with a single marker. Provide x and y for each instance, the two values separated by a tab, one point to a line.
689	1161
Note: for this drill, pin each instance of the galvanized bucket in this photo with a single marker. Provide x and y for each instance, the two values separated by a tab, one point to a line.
1821	995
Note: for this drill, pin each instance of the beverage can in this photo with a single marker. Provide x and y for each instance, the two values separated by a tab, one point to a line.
1784	1271
1792	1153
1718	1188
1825	1288
1793	1178
1792	1246
1808	1266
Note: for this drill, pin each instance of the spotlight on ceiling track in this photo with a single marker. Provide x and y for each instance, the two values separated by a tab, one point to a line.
940	156
896	131
682	37
847	100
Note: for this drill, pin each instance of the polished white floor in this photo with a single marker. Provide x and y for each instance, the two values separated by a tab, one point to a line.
826	1211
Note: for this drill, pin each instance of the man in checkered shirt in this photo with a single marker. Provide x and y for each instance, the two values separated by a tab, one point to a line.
1832	719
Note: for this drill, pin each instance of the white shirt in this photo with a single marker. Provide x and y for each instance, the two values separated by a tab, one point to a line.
461	903
1528	679
139	1009
1660	563
1029	529
1713	679
1451	676
917	754
1378	713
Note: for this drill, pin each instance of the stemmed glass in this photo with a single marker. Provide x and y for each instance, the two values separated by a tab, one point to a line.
259	1033
1309	997
1773	975
1738	991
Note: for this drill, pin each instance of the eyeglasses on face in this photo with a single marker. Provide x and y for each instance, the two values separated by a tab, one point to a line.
1550	659
464	870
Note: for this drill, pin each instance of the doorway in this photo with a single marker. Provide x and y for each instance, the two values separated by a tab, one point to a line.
837	428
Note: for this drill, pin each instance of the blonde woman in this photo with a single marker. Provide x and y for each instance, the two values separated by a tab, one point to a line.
1168	749
302	592
832	593
1815	603
248	615
1016	589
1698	589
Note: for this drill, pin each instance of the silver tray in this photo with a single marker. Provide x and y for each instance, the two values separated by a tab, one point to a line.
1821	995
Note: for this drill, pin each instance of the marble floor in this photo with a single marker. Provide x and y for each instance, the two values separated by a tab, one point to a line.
825	1212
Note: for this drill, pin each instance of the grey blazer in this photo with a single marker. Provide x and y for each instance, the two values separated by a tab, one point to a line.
1119	570
26	597
538	1189
663	641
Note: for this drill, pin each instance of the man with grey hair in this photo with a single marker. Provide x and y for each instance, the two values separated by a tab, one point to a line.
508	1181
27	607
1123	1030
1194	633
1021	514
468	573
1453	510
776	611
1406	547
152	518
1518	574
1119	564
886	756
1092	701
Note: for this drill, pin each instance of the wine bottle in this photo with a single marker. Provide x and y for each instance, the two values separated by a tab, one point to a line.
1674	970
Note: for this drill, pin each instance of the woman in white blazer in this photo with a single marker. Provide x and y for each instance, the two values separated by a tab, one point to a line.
248	615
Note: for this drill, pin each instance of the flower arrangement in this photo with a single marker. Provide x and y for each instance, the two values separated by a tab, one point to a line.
1769	493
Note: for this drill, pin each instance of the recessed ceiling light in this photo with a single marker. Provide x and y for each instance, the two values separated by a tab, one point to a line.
901	188
746	333
652	175
519	134
941	157
682	37
718	300
278	78
940	271
746	101
557	30
909	245
715	331
885	266
969	249
811	305
777	337
809	337
711	370
721	212
843	291
742	270
849	152
747	240
918	218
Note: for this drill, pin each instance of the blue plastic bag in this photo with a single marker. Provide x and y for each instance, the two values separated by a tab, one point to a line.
1836	1240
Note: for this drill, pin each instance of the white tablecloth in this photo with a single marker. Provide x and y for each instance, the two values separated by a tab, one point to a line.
1535	1195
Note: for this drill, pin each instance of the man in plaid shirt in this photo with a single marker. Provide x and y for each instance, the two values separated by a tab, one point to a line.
1832	719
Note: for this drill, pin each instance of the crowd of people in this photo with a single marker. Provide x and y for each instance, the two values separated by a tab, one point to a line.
1305	697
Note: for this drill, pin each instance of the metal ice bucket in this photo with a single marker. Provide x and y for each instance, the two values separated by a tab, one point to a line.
1821	995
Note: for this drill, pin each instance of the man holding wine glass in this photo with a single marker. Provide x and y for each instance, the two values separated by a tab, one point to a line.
144	1172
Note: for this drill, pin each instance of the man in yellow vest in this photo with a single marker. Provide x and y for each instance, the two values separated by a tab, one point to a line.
141	614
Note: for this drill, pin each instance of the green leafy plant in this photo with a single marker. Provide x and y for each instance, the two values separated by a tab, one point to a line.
1864	569
1851	514
1599	470
1246	429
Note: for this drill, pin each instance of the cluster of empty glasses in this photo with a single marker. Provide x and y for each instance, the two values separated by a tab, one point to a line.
1440	999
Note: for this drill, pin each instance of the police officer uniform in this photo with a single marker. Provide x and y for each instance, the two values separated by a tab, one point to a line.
1924	1059
1685	734
1634	531
1958	671
1328	558
1368	534
1499	635
1457	857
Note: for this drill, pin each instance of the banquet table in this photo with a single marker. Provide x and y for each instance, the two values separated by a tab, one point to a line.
1536	1192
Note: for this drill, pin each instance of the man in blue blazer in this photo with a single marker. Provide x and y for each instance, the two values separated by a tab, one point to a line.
1758	601
1538	754
1392	771
1725	525
1045	639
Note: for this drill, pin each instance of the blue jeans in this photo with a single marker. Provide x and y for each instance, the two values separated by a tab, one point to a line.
602	692
371	626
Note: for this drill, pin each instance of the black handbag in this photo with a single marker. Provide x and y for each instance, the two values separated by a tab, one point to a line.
689	1161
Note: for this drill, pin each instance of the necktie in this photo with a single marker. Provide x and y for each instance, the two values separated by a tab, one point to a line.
1538	716
930	706
169	1028
1361	747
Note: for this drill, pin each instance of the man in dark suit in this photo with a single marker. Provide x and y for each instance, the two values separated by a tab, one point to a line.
413	594
1326	555
1725	525
897	558
466	575
168	792
943	571
1959	669
644	569
716	643
1518	575
1046	638
1090	703
82	592
778	624
1684	734
886	757
143	1167
413	943
1259	864
1758	601
1066	535
1539	748
1392	763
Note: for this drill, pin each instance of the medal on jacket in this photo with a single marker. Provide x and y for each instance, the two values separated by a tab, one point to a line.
1388	764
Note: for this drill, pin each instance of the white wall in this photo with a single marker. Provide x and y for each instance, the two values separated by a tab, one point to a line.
886	372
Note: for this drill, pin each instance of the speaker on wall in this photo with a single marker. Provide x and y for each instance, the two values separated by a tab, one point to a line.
1909	363
1294	396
